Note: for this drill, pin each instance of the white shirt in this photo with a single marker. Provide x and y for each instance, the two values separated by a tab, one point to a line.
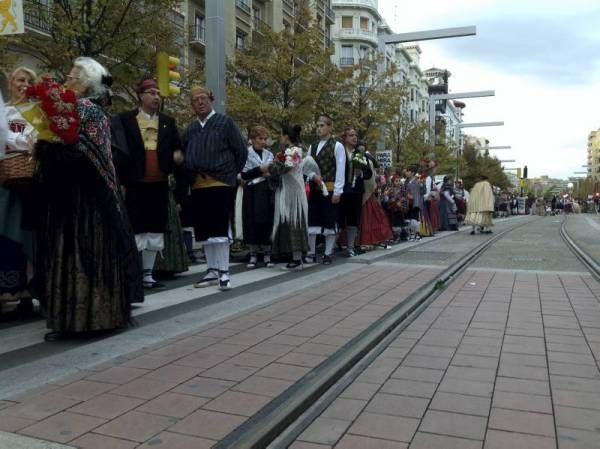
340	165
203	122
3	127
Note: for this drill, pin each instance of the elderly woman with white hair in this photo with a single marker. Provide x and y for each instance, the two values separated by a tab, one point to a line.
88	263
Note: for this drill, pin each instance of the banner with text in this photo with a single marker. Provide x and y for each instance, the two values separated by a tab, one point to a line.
384	158
11	17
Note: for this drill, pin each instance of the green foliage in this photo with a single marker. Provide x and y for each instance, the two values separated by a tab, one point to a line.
124	35
473	165
282	77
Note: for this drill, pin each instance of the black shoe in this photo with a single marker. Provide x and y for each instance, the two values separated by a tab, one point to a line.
153	285
472	233
224	281
327	260
294	265
57	336
210	278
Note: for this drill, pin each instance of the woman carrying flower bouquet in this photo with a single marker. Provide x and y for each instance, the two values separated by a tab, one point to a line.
257	203
88	263
357	170
16	223
290	227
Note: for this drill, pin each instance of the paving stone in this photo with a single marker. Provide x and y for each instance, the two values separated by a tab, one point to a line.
147	362
476	361
358	442
300	359
228	371
577	399
40	407
523	372
173	404
522	422
460	403
575	384
263	386
386	427
208	424
424	361
522	401
136	426
578	418
9	423
106	406
324	431
173	373
117	375
471	373
62	427
569	369
204	386
360	390
422	374
497	439
306	445
391	404
472	387
433	351
344	409
83	390
409	388
238	403
170	440
430	441
522	386
143	388
97	441
454	424
576	439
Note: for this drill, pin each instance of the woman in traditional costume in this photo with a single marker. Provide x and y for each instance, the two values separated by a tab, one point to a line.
16	224
290	227
88	265
375	227
258	199
447	206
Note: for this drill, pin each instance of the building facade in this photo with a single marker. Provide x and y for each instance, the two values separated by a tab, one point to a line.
593	155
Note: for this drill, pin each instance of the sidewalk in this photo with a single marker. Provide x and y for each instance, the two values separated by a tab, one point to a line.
192	391
500	360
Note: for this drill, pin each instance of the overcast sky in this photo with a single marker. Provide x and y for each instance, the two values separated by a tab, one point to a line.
542	57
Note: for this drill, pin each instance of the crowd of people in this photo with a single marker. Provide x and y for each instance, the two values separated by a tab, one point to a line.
103	215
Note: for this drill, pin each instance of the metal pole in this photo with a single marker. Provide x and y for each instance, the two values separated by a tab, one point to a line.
215	52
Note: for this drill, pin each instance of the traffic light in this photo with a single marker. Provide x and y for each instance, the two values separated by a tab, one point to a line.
525	172
166	73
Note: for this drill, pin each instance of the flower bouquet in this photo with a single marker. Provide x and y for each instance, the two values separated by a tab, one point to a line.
53	114
358	161
288	159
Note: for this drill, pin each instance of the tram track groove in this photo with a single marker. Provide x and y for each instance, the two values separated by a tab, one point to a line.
291	412
587	260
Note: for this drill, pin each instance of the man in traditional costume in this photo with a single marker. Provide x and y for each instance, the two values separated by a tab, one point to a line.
414	193
153	149
351	201
330	156
480	207
215	152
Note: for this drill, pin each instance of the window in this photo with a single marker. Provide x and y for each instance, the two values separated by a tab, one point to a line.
347	22
257	13
198	32
363	52
347	55
240	40
364	23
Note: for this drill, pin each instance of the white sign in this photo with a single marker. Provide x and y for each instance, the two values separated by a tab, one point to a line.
11	17
384	158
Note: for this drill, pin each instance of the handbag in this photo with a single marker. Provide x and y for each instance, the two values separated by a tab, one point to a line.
17	168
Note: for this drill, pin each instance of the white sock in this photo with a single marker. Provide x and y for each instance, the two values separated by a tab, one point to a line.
351	232
211	258
222	256
312	244
329	244
148	259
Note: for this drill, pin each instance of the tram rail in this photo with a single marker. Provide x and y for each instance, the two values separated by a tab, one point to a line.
280	422
580	253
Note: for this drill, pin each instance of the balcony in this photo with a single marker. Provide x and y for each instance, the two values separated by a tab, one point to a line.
288	7
371	4
260	25
241	4
357	34
197	35
36	14
329	15
345	61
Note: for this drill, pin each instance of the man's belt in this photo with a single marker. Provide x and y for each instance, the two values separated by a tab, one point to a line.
330	186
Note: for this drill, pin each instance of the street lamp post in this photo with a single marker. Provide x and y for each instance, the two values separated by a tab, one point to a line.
471	125
215	52
442	33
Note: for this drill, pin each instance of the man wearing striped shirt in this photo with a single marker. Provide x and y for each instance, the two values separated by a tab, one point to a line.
215	152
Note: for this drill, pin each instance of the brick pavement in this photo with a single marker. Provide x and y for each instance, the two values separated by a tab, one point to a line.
500	360
192	390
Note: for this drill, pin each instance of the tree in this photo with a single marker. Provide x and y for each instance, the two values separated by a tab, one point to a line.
123	35
282	77
473	165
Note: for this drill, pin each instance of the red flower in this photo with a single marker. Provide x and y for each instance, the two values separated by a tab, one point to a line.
280	157
60	107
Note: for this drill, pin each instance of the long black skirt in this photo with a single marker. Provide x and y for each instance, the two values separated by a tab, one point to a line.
350	209
212	210
258	210
322	212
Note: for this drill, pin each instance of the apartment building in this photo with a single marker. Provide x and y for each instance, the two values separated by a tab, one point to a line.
593	155
243	18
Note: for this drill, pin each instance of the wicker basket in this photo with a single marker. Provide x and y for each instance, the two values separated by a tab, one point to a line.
16	169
